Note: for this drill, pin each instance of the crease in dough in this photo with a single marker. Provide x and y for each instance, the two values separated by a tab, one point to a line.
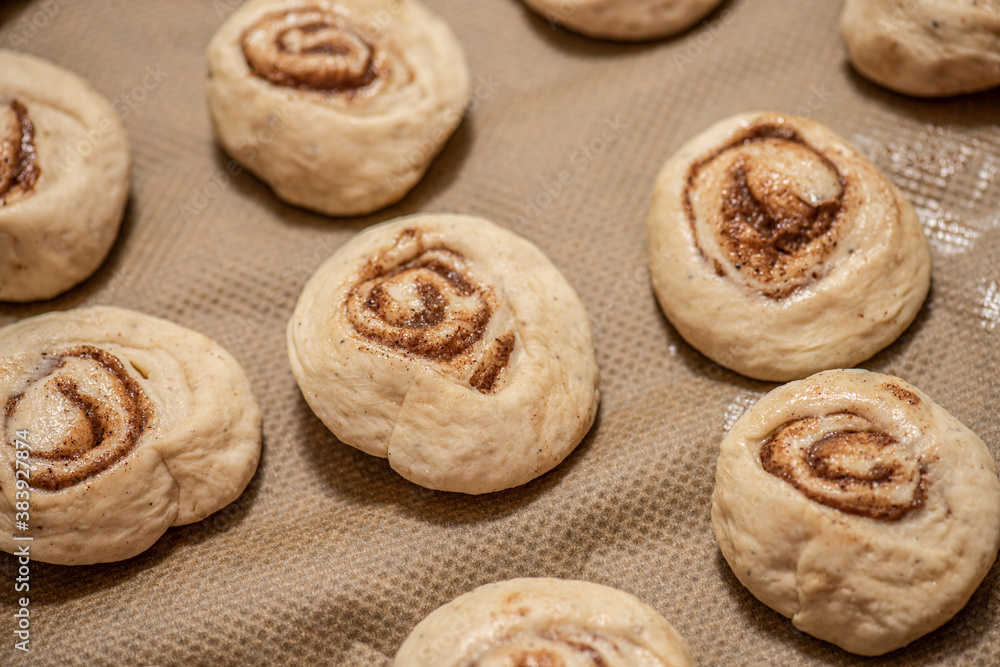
867	577
60	207
337	109
458	340
762	281
118	457
544	621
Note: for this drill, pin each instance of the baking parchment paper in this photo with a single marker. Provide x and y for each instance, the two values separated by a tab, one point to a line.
329	557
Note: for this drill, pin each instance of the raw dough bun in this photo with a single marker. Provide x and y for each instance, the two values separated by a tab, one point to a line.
134	424
339	105
64	178
777	250
544	622
624	20
451	346
927	48
853	504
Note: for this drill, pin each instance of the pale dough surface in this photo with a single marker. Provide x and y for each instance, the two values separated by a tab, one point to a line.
624	20
198	431
333	152
544	622
420	405
868	585
59	233
844	296
927	48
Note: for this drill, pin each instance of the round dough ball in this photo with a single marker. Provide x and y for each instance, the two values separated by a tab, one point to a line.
339	105
131	424
64	178
544	622
927	48
624	20
450	346
777	250
854	505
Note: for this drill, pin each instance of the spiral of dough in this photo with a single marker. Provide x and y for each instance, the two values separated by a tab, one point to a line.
843	461
96	414
18	155
450	346
64	178
778	250
853	504
118	425
544	622
339	105
432	307
312	49
767	209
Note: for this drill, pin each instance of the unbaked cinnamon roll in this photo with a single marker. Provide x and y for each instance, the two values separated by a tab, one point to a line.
116	426
777	250
544	622
64	178
926	48
339	105
624	20
854	505
451	347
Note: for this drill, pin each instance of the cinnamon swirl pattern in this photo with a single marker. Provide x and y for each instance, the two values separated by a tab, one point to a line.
854	505
339	105
448	320
931	48
840	461
777	250
64	181
624	20
544	622
133	424
449	346
107	418
18	154
315	50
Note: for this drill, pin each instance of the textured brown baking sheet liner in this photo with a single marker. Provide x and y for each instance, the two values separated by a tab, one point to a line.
331	558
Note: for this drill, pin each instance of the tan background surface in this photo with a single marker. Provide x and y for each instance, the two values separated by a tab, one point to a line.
330	557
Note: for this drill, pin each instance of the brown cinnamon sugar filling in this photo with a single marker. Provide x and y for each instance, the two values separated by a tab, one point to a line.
552	648
783	222
106	423
19	168
770	230
431	308
493	363
313	49
862	472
